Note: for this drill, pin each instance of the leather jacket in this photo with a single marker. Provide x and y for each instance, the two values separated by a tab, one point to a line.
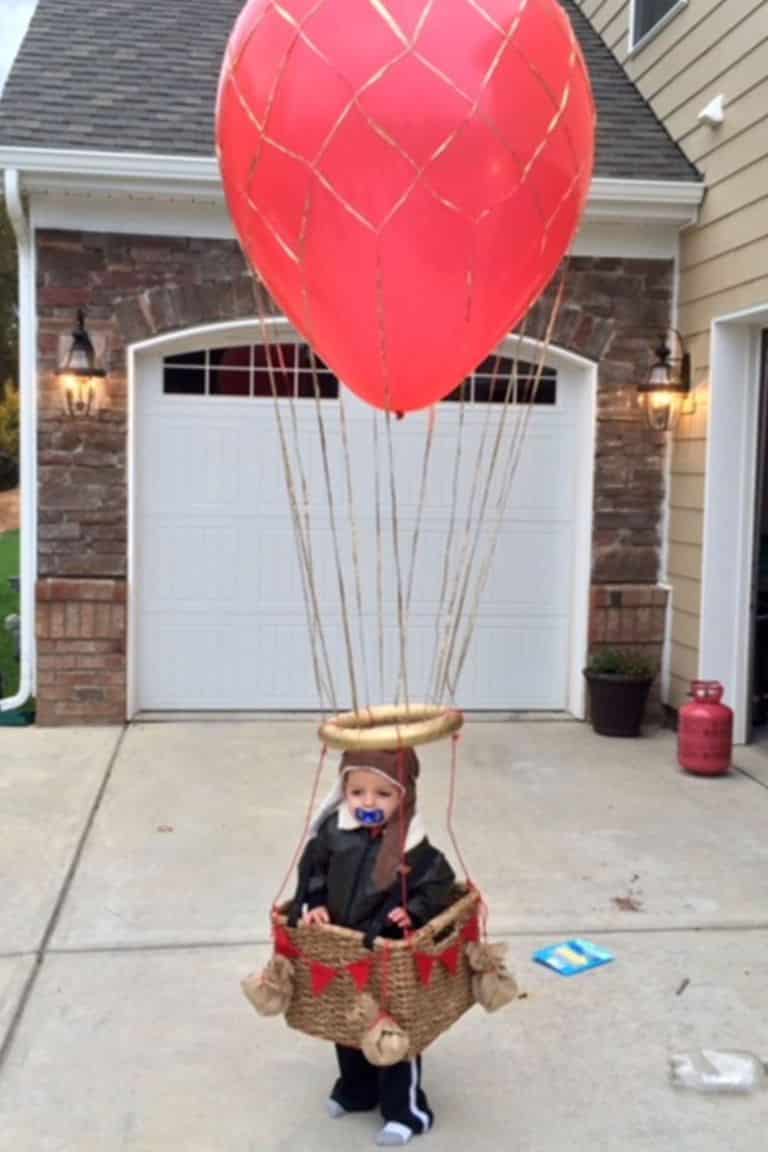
337	870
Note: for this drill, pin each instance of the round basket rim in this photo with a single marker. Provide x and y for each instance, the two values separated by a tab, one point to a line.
390	727
467	899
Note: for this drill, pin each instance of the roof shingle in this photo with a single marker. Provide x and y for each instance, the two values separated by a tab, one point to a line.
141	76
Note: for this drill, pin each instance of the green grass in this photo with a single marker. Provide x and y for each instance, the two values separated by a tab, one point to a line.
9	602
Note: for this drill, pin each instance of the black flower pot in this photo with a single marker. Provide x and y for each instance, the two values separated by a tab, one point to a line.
617	703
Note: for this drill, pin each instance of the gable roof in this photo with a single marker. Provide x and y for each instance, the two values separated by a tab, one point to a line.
141	76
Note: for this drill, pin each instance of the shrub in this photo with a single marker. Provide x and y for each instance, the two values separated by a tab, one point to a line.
9	437
9	420
615	662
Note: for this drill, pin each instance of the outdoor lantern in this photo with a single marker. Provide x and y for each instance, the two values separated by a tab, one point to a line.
79	374
667	385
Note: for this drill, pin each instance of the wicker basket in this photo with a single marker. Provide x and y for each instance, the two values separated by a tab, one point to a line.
424	1010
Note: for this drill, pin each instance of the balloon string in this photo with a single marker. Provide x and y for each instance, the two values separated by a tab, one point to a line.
451	803
309	587
334	534
506	487
466	556
432	420
403	677
448	552
330	694
355	545
379	548
472	542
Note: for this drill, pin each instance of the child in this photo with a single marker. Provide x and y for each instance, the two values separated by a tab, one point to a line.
350	874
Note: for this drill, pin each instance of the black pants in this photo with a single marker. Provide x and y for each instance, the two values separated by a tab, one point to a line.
396	1090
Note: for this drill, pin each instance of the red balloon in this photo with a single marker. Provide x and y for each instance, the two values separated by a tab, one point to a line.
405	175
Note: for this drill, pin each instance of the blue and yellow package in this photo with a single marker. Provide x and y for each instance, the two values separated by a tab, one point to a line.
573	957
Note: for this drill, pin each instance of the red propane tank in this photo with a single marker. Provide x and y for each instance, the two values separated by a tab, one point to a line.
705	731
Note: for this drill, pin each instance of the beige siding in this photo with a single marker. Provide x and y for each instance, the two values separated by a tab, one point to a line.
685	630
751	71
686	526
721	236
709	47
687	596
696	316
687	492
705	52
605	18
734	193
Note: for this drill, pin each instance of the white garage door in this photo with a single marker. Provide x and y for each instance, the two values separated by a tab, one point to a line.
219	619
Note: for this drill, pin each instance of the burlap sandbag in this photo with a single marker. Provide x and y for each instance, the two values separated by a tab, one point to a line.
270	991
493	985
383	1041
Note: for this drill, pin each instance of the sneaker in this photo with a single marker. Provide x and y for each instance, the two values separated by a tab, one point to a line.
393	1135
335	1110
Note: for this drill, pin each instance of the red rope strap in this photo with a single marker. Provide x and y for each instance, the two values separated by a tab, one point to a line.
305	830
451	802
403	835
384	958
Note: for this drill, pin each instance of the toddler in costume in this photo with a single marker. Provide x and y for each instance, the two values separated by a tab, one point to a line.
350	874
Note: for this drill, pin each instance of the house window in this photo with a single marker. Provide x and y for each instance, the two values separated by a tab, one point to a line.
250	370
648	14
494	378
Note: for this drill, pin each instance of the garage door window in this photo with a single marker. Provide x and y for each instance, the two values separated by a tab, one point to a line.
251	370
490	383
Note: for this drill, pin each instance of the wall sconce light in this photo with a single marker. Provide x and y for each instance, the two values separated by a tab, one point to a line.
79	374
666	386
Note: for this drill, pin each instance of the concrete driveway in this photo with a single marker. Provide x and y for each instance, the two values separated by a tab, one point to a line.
137	867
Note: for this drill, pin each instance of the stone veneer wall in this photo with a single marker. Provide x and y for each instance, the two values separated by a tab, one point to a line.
134	287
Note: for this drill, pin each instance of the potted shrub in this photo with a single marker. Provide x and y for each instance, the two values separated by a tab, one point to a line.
618	683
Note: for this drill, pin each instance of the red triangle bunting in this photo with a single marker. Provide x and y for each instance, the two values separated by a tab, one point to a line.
450	958
284	946
322	976
425	964
471	932
361	974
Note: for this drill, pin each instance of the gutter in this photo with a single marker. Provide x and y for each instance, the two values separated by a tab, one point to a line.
49	171
27	426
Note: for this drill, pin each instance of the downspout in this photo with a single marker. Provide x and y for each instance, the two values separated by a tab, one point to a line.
27	426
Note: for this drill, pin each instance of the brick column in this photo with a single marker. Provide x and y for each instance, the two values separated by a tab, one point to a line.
631	617
81	630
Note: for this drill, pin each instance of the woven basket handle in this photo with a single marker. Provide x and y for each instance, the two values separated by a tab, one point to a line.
427	936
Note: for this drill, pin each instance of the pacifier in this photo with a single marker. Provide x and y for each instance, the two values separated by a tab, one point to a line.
369	818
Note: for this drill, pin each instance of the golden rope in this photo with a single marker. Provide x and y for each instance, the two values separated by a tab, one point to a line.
308	584
504	495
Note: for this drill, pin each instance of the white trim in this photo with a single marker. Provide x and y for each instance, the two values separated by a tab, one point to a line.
131	562
635	46
627	239
25	239
49	168
231	332
584	483
125	177
607	235
133	215
729	508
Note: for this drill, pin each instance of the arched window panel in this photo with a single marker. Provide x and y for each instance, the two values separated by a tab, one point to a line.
291	370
